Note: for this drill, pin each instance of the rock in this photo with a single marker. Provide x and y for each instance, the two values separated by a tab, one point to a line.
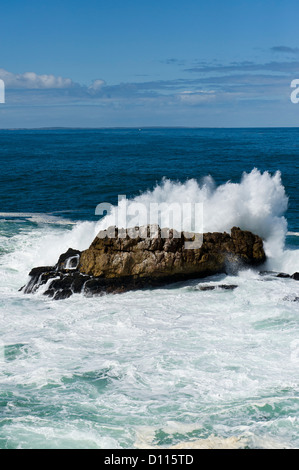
281	275
134	260
159	257
293	276
291	298
221	286
62	280
69	260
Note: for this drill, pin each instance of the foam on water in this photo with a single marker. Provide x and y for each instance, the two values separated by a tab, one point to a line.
150	358
176	367
36	218
258	203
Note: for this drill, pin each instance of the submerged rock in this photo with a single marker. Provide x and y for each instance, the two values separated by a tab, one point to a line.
291	276
143	259
220	286
291	298
294	276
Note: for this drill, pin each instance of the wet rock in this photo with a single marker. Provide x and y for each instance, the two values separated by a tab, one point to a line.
221	286
68	260
145	258
63	294
159	257
291	298
267	273
294	276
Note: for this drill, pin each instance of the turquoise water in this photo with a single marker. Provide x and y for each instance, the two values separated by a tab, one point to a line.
155	368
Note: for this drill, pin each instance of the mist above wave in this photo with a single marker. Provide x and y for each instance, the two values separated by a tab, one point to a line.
257	203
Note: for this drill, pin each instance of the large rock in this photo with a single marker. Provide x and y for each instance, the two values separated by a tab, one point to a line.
159	257
119	264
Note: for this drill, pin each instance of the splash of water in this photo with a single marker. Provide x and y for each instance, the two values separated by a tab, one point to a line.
257	203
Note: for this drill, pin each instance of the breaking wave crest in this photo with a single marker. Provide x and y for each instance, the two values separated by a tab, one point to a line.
257	203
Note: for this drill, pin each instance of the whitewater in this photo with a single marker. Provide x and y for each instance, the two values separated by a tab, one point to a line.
174	367
257	203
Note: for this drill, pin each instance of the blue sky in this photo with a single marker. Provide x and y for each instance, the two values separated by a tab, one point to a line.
159	63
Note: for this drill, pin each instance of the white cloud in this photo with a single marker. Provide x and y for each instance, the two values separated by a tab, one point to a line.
33	81
196	97
32	89
96	85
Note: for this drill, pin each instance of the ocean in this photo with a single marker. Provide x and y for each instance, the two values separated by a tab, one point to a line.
173	367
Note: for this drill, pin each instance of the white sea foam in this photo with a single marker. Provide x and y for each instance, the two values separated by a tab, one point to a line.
146	437
257	203
176	367
171	368
38	218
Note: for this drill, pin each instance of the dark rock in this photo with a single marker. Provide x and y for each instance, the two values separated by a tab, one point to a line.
58	281
295	276
267	273
122	264
204	288
291	298
38	277
284	275
40	270
78	281
63	294
221	286
228	286
49	292
68	260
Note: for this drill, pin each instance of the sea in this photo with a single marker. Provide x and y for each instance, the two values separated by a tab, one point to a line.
166	368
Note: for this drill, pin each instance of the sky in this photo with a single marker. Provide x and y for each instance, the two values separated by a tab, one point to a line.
195	63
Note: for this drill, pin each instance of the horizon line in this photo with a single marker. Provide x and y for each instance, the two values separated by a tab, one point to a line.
142	127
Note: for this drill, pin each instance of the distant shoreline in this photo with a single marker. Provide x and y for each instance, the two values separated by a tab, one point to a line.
139	128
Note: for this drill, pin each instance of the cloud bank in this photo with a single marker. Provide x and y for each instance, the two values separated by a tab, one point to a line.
33	81
285	49
203	89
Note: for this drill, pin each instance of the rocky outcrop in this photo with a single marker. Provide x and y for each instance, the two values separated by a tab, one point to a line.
292	276
149	259
221	286
157	257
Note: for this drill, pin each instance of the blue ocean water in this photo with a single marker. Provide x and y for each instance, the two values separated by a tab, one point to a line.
74	170
171	367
